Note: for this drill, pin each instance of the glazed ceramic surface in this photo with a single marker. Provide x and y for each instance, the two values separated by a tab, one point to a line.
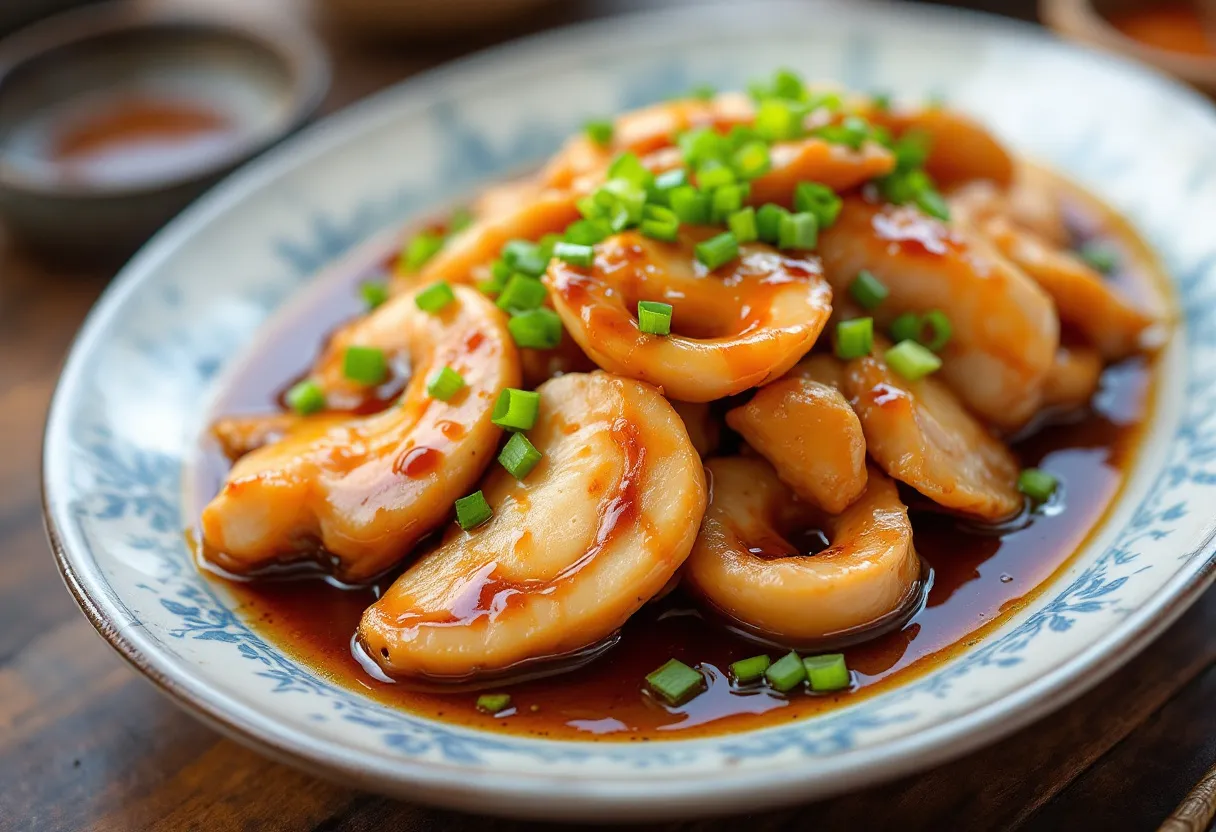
133	399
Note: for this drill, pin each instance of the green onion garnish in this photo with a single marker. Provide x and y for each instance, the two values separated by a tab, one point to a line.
526	257
629	167
690	205
725	201
798	231
701	145
855	338
668	232
911	360
435	297
768	222
444	384
940	330
538	329
516	409
519	456
366	365
675	682
819	200
473	510
746	671
933	204
305	397
906	327
654	317
1099	257
714	174
751	160
522	293
599	131
778	120
493	703
852	132
421	248
587	232
868	290
786	673
660	192
574	254
373	292
717	251
743	225
827	673
1037	484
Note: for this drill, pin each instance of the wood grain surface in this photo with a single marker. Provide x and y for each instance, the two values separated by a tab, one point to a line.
85	743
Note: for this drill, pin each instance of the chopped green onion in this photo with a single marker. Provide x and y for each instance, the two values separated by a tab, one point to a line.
788	84
868	290
746	671
435	297
798	231
933	204
690	205
725	201
516	409
1037	484
366	365
1100	257
445	384
522	293
906	327
855	338
668	232
751	160
500	273
819	200
574	254
473	510
852	132
660	192
660	213
599	131
911	360
717	251
743	225
786	673
629	167
526	257
493	703
714	174
421	248
700	145
587	232
305	397
741	135
827	673
675	682
911	150
654	317
938	324
622	201
519	456
373	292
778	120
538	329
768	222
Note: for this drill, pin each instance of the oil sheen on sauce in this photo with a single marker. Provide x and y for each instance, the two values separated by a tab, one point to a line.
979	575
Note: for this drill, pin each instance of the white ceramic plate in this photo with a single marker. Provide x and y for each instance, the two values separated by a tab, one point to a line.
131	402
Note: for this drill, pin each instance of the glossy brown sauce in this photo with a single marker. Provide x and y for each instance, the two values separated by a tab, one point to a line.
979	575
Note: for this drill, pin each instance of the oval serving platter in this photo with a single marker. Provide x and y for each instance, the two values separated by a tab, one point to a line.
133	398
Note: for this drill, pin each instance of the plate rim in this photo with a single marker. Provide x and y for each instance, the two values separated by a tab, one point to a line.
503	792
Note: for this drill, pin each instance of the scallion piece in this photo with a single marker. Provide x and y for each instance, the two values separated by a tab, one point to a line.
538	329
911	360
768	222
419	249
935	330
526	257
599	131
444	384
742	224
751	160
434	297
516	409
819	200
714	174
522	293
778	120
700	145
629	167
305	397
1100	257
868	290
725	201
746	671
373	292
493	703
855	338
519	456
660	191
798	231
1037	484
574	254
654	317
933	204
587	232
675	682
786	673
852	132
906	327
473	510
690	205
717	251
827	673
668	232
365	365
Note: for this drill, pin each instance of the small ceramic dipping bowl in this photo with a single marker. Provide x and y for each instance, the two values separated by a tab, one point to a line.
1172	35
114	117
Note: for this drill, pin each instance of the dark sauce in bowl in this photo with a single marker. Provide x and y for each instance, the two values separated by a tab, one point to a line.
979	576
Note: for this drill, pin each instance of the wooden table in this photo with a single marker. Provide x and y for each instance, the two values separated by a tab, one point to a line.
86	743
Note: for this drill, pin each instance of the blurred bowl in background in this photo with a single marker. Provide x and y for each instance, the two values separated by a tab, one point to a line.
1172	35
17	13
114	117
420	18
